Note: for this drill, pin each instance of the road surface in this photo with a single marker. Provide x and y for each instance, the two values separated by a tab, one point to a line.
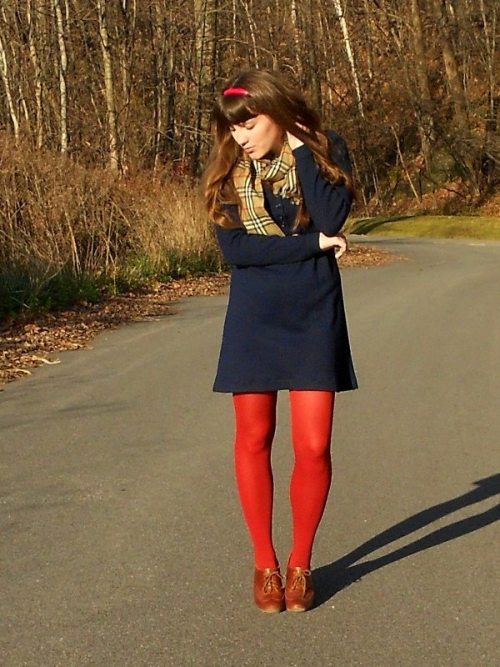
122	538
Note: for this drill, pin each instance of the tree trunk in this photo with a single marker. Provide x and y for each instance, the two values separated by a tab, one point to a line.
205	45
315	74
253	30
127	39
171	92
491	149
37	71
463	149
164	103
4	71
109	89
297	41
324	40
451	68
350	55
369	38
426	126
63	67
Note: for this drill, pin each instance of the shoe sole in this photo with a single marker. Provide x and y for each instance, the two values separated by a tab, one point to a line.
272	610
298	608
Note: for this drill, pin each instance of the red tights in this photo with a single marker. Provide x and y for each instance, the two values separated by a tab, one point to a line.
311	417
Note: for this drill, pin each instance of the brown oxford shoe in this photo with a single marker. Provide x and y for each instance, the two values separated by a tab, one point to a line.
268	591
299	591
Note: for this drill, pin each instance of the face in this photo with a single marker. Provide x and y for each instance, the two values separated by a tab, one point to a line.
259	136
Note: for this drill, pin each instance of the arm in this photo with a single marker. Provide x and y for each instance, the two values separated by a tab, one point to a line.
242	249
328	204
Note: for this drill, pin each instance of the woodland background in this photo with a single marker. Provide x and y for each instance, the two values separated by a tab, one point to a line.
105	121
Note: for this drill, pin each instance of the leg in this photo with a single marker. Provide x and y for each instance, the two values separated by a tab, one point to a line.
311	417
255	426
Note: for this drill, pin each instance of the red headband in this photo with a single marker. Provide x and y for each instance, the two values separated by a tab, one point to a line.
235	91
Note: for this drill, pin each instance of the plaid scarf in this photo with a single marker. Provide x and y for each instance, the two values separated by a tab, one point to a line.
248	177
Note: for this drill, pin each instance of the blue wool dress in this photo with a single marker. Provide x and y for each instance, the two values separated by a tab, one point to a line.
285	325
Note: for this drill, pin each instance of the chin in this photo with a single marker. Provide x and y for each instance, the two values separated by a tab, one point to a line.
267	155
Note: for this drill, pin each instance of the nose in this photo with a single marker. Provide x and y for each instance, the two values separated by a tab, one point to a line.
241	137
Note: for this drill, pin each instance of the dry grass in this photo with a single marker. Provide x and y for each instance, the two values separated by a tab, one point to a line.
69	232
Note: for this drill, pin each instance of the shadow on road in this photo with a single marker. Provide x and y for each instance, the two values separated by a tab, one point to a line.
366	225
332	578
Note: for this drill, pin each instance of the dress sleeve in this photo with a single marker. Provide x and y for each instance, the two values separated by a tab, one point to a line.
242	249
327	204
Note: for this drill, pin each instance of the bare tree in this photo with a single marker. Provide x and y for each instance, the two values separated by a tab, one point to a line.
350	55
451	66
424	109
5	73
109	86
31	12
126	38
297	39
63	66
121	81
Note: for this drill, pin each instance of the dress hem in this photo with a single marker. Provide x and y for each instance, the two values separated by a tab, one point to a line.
285	386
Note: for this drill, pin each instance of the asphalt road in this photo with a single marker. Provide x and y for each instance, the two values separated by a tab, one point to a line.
122	538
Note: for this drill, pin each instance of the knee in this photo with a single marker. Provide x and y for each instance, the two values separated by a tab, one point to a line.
312	452
255	440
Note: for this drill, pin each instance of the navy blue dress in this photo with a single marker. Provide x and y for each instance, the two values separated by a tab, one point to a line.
285	325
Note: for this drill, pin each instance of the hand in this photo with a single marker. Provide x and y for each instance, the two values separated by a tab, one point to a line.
293	141
330	242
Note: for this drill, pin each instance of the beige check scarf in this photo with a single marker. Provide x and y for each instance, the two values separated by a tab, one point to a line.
248	177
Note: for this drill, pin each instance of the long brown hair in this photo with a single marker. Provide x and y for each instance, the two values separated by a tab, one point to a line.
269	95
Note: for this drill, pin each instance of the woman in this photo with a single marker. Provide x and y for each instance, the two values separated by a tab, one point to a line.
279	189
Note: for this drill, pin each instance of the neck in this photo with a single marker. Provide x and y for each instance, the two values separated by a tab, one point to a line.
274	152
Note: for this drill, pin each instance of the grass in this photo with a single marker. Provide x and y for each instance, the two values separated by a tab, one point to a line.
430	226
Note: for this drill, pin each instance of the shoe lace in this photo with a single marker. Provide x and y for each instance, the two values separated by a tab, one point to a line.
299	579
272	581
